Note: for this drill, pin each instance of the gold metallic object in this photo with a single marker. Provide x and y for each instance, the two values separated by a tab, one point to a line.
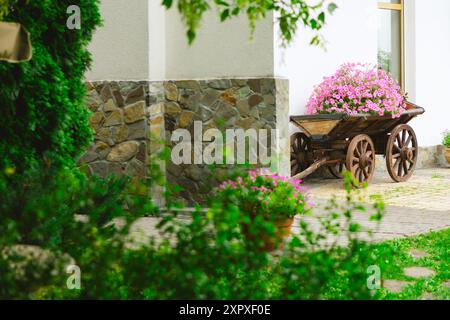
15	44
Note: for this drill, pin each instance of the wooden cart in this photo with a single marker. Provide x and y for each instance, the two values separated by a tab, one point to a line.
341	141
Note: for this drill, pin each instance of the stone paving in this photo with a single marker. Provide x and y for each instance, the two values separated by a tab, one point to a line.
415	207
418	206
428	189
395	286
416	273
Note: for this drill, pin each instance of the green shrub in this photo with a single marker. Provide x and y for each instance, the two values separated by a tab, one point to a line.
44	118
4	8
266	195
67	214
205	257
446	139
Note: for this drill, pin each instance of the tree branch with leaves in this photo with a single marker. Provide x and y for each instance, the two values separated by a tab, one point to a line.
4	8
290	14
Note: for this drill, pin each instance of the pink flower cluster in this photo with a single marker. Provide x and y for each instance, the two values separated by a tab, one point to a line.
270	183
358	88
274	180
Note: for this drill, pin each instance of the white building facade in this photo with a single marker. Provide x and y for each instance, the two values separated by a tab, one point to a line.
153	46
141	42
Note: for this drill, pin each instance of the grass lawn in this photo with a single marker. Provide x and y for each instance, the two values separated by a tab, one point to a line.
395	256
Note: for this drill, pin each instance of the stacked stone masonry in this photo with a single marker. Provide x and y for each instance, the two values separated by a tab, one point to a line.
120	129
130	119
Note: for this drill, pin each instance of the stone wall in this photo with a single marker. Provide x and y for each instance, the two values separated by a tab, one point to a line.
130	119
120	128
222	104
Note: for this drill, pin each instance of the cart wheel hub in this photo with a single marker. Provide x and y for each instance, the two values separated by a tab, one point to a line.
409	154
406	154
363	162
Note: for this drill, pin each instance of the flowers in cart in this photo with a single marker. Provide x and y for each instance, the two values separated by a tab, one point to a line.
358	88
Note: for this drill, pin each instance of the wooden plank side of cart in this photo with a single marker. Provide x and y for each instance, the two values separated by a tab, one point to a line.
340	126
318	125
371	125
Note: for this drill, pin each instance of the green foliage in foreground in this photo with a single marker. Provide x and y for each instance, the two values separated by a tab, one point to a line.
88	222
43	114
4	8
289	14
446	139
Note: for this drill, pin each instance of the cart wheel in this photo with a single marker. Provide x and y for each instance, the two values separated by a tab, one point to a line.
300	145
337	170
401	153
361	158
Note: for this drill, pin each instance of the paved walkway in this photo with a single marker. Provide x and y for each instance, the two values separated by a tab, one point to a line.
418	206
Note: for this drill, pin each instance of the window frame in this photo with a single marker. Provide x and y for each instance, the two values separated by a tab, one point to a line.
400	7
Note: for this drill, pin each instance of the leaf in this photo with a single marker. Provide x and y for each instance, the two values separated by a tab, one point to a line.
221	3
354	227
224	15
332	7
167	3
321	17
191	36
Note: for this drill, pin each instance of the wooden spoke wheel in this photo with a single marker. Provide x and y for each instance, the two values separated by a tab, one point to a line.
401	153
337	170
300	146
361	158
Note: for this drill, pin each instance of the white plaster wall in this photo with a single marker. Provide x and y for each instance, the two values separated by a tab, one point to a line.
152	45
221	50
410	49
351	35
120	47
157	40
432	69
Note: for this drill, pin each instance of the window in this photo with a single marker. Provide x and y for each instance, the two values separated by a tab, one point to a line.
390	38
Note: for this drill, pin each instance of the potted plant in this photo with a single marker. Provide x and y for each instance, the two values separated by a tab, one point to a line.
268	204
358	88
446	143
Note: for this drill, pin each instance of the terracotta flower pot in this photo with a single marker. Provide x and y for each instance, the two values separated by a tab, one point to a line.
447	154
273	242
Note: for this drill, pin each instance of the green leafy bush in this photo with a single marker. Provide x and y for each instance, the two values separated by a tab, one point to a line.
268	204
268	195
446	139
44	118
52	216
206	256
4	8
66	213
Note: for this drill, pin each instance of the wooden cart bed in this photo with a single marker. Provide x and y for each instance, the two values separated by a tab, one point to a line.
350	142
339	126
